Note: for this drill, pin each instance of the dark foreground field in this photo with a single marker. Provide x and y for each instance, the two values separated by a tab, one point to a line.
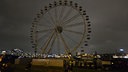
21	68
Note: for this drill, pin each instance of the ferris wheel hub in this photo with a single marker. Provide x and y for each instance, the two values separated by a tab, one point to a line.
59	29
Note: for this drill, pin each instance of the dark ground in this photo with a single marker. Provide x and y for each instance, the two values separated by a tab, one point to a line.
21	68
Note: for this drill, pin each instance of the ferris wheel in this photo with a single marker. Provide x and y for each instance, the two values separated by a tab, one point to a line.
60	27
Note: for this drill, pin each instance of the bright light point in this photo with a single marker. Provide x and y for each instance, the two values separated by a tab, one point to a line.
121	50
3	52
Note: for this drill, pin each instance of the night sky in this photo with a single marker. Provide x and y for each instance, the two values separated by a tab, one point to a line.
109	20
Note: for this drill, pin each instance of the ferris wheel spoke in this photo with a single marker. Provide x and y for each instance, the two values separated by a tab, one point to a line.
58	44
54	23
65	44
75	24
61	12
56	16
80	33
46	30
48	42
67	14
71	19
43	36
48	22
43	25
52	43
70	38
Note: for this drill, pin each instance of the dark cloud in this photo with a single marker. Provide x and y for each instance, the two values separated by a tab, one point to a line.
109	24
108	19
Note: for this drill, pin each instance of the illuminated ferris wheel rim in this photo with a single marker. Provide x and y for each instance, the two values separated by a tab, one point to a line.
58	29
